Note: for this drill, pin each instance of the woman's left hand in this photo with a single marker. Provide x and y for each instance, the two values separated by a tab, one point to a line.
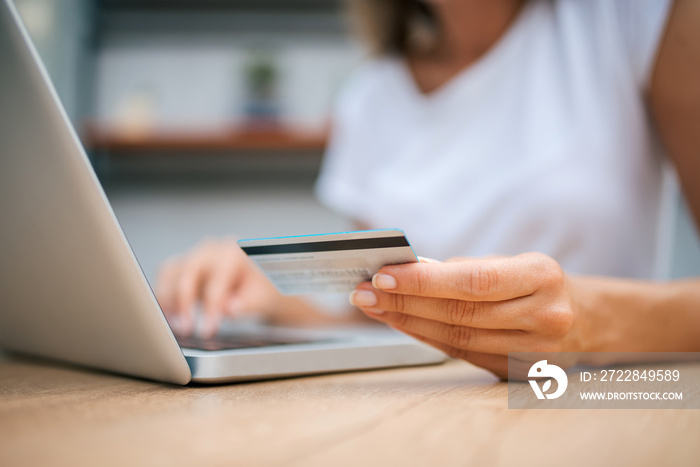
477	309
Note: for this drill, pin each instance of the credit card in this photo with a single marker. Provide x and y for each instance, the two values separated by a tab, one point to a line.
327	263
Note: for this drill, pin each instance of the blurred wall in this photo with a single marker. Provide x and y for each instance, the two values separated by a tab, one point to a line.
189	64
202	82
62	32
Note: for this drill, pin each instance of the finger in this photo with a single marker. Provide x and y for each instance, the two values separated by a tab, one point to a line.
497	364
493	341
217	296
165	286
476	280
509	314
215	301
233	288
189	283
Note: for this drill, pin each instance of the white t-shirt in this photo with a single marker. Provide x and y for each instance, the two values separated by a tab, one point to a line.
544	144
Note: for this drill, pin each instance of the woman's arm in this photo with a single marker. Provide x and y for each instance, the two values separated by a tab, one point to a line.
674	97
479	310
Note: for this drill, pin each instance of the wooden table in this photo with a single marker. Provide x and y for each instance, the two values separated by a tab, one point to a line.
448	415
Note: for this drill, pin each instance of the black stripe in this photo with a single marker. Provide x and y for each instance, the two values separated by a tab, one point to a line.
332	245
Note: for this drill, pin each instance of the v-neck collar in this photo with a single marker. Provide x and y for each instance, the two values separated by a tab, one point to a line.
476	72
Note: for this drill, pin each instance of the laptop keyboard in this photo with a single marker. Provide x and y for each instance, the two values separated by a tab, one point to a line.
235	342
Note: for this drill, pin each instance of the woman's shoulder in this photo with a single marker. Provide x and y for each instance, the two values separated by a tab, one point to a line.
629	29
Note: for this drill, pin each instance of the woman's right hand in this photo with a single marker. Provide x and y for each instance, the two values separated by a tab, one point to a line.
220	277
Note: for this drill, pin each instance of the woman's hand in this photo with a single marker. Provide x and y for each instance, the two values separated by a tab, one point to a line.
220	277
477	309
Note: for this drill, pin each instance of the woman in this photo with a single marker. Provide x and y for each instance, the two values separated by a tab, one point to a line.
504	127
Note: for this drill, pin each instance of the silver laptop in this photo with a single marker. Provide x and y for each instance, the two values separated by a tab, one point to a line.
70	286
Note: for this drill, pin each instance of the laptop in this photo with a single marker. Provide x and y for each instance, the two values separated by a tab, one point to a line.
71	288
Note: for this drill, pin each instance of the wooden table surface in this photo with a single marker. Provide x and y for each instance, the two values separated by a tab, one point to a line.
447	415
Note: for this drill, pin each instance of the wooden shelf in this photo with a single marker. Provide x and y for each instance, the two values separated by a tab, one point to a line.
245	138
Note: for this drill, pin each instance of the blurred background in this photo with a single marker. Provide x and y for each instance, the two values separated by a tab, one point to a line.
210	117
201	117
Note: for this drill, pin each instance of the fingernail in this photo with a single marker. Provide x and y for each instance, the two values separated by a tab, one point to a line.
384	281
363	298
